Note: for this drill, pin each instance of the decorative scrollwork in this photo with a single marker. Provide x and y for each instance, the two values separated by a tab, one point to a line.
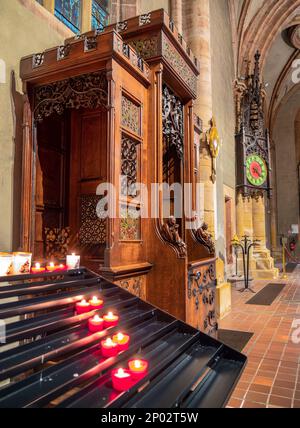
87	91
92	228
170	232
145	19
90	43
63	52
38	59
202	283
122	26
205	238
129	158
172	122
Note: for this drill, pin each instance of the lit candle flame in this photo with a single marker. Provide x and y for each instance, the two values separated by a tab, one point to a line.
97	318
121	372
38	266
83	302
51	265
95	299
110	315
109	342
120	336
137	364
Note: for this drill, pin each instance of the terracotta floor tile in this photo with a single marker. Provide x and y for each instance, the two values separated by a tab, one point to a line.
280	401
272	376
256	397
251	405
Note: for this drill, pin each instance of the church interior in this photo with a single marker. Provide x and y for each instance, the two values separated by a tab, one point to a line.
149	183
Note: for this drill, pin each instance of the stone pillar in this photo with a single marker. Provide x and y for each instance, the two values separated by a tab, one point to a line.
49	5
244	216
86	20
196	31
259	221
176	13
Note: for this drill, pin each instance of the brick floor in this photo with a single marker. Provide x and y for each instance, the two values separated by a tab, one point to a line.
272	376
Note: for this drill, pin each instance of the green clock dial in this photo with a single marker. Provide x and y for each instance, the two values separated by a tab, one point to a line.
257	171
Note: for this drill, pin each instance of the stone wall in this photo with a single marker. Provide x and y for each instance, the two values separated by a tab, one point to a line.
283	135
26	27
224	113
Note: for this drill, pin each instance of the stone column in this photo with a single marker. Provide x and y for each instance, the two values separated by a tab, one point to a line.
244	216
196	31
49	5
86	20
176	13
259	221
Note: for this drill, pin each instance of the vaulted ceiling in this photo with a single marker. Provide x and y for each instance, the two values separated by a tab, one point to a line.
272	27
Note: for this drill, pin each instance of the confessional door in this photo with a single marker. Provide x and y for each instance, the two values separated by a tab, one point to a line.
88	168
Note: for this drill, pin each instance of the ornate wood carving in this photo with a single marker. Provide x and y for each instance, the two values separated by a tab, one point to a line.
92	228
205	238
38	59
57	242
177	62
201	289
130	224
87	91
131	115
146	48
129	157
172	116
122	26
135	285
63	52
170	232
90	43
145	19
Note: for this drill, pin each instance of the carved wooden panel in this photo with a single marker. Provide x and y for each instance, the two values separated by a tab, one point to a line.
129	166
92	147
92	228
131	115
201	296
87	91
130	223
146	48
135	285
57	242
178	64
173	126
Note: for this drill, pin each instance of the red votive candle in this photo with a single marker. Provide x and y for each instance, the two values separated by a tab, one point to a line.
38	268
110	320
138	369
122	340
96	303
95	324
82	307
121	379
109	348
51	267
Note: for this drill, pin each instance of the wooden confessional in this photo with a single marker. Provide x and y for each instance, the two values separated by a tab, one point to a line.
111	103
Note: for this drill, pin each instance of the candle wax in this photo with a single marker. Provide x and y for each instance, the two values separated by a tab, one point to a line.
95	324
109	348
121	380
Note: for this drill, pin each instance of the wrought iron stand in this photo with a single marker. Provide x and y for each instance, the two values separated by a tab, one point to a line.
245	244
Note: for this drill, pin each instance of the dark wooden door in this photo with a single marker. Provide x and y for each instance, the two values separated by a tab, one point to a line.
88	168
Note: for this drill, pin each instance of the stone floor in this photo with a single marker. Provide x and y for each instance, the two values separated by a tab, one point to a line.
272	376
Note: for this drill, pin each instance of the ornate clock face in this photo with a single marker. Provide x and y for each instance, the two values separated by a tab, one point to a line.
256	170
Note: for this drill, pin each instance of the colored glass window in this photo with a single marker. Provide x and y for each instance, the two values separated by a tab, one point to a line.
99	14
69	12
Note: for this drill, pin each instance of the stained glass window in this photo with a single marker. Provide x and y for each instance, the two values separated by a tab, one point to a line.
99	14
69	12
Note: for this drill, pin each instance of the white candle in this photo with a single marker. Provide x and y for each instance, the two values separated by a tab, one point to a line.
21	263
73	261
5	263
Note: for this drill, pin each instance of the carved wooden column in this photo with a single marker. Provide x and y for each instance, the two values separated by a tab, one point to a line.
197	33
176	14
26	202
